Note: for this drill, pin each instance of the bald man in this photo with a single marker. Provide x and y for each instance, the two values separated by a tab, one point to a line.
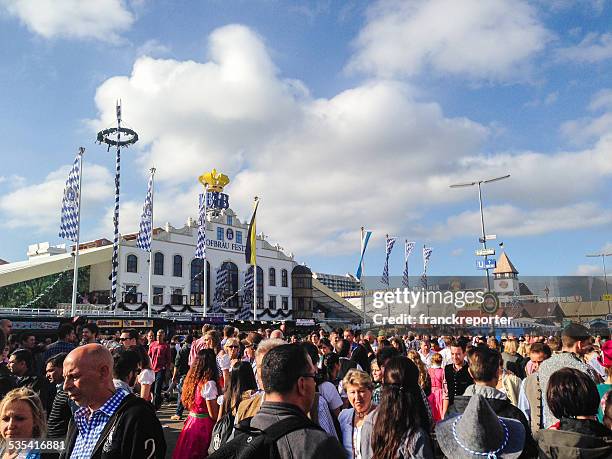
109	423
277	334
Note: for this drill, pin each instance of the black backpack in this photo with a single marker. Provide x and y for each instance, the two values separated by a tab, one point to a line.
252	443
221	432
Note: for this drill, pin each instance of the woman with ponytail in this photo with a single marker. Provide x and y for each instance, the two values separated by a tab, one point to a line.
399	428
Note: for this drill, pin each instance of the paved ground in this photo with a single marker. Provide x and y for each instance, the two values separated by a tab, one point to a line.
172	429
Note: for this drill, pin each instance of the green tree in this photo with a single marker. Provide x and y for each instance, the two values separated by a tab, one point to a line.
13	296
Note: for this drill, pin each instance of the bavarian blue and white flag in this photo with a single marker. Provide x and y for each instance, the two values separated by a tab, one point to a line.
389	243
220	288
70	218
247	289
426	255
146	220
201	246
364	246
408	246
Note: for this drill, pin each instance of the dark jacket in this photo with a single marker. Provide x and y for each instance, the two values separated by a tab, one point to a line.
181	362
133	432
456	381
301	444
502	407
576	439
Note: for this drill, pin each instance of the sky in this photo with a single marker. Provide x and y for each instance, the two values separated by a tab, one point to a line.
336	114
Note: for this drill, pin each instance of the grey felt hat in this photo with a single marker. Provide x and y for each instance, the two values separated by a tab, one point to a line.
480	433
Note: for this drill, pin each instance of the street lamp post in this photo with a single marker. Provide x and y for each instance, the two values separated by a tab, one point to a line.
483	239
603	262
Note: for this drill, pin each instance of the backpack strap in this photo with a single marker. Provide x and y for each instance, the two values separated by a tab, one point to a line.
286	426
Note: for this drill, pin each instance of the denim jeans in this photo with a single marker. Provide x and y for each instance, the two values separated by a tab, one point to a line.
179	389
157	389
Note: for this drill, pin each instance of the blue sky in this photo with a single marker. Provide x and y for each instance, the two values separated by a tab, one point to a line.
338	114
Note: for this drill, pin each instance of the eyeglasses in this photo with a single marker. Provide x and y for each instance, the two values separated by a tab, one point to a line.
233	346
124	339
314	376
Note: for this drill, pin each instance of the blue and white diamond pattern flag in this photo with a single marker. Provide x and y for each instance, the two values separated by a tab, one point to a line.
201	246
70	218
390	242
146	220
408	246
426	255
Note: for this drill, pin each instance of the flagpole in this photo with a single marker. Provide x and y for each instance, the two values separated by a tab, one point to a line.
254	250
205	262
150	292
363	302
75	277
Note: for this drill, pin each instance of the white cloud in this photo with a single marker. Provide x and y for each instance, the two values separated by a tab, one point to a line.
102	20
593	48
457	252
14	180
152	48
323	167
588	270
38	205
511	221
491	40
601	100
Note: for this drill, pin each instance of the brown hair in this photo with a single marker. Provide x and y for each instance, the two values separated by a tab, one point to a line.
484	363
401	411
416	359
203	369
437	358
572	393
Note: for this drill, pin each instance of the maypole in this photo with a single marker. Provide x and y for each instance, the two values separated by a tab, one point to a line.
112	137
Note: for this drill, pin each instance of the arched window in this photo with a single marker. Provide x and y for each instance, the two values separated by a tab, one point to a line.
260	286
272	276
177	266
132	264
158	264
284	281
231	286
197	282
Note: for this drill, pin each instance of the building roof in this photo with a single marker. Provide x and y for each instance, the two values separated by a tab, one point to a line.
36	267
504	265
301	269
543	310
585	308
330	300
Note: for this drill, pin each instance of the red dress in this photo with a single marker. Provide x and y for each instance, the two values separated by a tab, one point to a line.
437	392
195	437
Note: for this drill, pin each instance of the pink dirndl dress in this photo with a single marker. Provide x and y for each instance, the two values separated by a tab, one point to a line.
437	392
195	437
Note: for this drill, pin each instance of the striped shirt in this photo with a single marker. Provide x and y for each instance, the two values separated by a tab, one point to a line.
57	348
91	427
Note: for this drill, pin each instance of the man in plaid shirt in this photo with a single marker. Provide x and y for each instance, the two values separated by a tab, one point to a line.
110	423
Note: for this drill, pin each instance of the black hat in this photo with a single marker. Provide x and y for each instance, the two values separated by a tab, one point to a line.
479	432
576	331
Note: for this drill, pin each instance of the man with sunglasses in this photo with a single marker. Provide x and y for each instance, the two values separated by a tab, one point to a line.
128	338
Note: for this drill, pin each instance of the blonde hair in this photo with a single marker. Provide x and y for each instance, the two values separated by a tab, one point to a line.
436	358
357	378
231	341
27	395
523	349
414	356
510	346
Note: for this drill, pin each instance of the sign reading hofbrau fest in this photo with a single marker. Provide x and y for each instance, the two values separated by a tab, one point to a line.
214	183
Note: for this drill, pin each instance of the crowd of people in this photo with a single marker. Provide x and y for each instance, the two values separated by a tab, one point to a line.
341	394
